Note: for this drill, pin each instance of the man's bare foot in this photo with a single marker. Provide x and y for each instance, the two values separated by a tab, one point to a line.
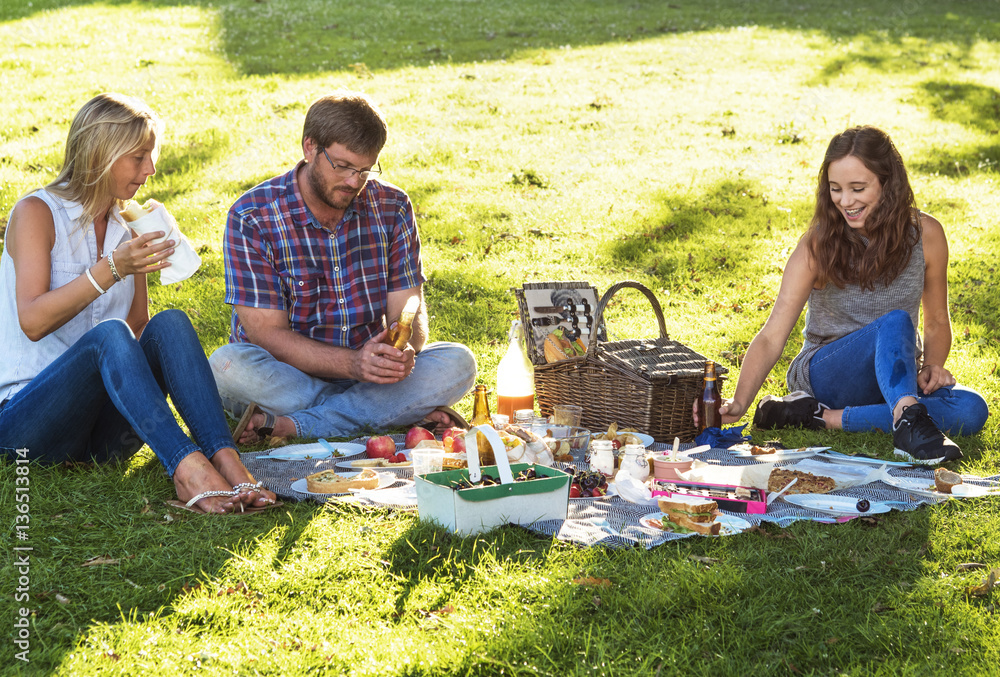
227	462
195	475
442	420
283	427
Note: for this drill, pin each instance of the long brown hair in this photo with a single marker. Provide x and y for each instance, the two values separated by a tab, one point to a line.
839	252
106	128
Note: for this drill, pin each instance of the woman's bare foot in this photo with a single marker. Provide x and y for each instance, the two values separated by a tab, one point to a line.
283	427
195	475
227	462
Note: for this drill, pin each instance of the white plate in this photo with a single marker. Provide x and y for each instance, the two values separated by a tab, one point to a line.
834	505
346	465
401	496
384	480
647	440
730	524
863	460
780	455
916	485
313	452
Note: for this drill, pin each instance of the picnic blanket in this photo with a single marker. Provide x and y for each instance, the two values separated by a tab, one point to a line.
609	521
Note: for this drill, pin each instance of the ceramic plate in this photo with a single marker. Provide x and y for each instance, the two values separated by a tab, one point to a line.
346	465
864	460
647	440
313	451
730	525
780	455
916	485
384	480
834	505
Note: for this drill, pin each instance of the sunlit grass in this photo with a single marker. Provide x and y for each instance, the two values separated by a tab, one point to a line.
672	143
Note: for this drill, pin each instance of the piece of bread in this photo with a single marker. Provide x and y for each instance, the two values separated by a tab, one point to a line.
134	212
761	451
807	484
945	479
329	482
454	460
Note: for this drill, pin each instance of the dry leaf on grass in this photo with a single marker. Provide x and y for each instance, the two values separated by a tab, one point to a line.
969	566
703	560
99	561
988	584
61	599
591	581
758	529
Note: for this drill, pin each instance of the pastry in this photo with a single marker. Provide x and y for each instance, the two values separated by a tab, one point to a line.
329	482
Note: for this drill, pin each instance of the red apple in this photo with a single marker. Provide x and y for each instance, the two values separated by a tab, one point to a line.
380	446
415	435
457	437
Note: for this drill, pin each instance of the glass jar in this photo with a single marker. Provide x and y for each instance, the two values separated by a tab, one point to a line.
602	457
633	461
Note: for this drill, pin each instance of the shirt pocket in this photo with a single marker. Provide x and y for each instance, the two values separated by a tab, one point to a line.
308	291
62	273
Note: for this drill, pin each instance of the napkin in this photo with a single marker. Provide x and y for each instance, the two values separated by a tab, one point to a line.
184	261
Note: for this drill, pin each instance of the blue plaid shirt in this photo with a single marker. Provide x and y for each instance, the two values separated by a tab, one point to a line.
334	286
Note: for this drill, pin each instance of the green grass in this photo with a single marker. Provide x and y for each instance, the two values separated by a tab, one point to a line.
672	143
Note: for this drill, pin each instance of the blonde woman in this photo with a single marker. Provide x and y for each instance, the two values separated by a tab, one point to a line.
86	372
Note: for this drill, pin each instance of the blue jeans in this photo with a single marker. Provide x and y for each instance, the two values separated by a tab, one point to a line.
442	374
868	371
106	395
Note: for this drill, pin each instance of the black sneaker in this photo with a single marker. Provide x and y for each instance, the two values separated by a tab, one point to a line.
796	409
919	440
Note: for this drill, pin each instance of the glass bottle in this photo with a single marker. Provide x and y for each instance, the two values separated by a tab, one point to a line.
515	375
481	416
710	401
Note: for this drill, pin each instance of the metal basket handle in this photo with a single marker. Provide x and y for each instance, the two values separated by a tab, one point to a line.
602	304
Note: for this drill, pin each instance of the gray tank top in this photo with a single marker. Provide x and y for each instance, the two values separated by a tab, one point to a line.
833	313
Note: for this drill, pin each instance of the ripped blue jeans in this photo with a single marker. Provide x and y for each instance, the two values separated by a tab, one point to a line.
868	371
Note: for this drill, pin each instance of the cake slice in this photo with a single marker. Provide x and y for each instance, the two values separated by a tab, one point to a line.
329	482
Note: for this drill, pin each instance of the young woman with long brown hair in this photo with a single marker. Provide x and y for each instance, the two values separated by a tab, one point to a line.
868	266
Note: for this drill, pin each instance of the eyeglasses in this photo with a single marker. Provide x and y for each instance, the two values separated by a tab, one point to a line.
349	172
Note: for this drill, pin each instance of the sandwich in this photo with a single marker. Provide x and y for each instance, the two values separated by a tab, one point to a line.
558	347
688	514
133	212
945	479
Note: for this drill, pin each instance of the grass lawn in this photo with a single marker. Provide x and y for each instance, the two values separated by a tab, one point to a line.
672	143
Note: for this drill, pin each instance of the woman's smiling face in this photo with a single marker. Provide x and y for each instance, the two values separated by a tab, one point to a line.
855	190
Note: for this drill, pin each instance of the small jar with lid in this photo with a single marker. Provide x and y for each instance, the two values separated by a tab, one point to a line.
633	461
602	457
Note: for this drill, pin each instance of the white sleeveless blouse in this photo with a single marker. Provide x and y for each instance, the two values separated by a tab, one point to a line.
74	250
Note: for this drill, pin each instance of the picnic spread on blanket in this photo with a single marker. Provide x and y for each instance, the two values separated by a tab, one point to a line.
626	518
596	463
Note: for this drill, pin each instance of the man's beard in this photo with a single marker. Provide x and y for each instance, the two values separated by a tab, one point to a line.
331	197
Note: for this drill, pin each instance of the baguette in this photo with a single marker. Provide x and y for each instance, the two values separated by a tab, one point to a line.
329	482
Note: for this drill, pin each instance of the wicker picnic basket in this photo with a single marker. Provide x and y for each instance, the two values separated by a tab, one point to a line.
648	385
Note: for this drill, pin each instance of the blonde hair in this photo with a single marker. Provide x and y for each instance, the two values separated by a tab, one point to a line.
106	128
348	118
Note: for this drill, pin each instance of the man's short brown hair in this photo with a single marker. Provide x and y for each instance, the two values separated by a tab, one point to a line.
348	118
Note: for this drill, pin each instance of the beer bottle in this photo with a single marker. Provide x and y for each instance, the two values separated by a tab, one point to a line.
481	416
711	400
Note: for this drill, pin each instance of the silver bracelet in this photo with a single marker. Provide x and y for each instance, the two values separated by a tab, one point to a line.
90	277
114	271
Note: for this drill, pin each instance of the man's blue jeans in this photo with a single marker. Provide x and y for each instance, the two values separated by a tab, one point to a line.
442	374
868	371
106	395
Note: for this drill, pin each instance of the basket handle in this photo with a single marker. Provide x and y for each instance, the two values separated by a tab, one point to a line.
499	452
602	304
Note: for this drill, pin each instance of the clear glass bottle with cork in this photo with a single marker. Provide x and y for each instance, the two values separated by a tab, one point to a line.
515	375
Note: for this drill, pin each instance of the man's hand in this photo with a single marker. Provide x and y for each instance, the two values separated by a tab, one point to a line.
730	409
931	377
380	362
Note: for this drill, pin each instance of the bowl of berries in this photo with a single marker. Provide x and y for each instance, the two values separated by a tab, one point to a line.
587	483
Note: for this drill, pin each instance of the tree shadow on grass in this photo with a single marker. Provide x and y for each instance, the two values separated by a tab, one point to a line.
292	37
973	106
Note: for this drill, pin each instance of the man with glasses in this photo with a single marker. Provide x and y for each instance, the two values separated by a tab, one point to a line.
319	261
